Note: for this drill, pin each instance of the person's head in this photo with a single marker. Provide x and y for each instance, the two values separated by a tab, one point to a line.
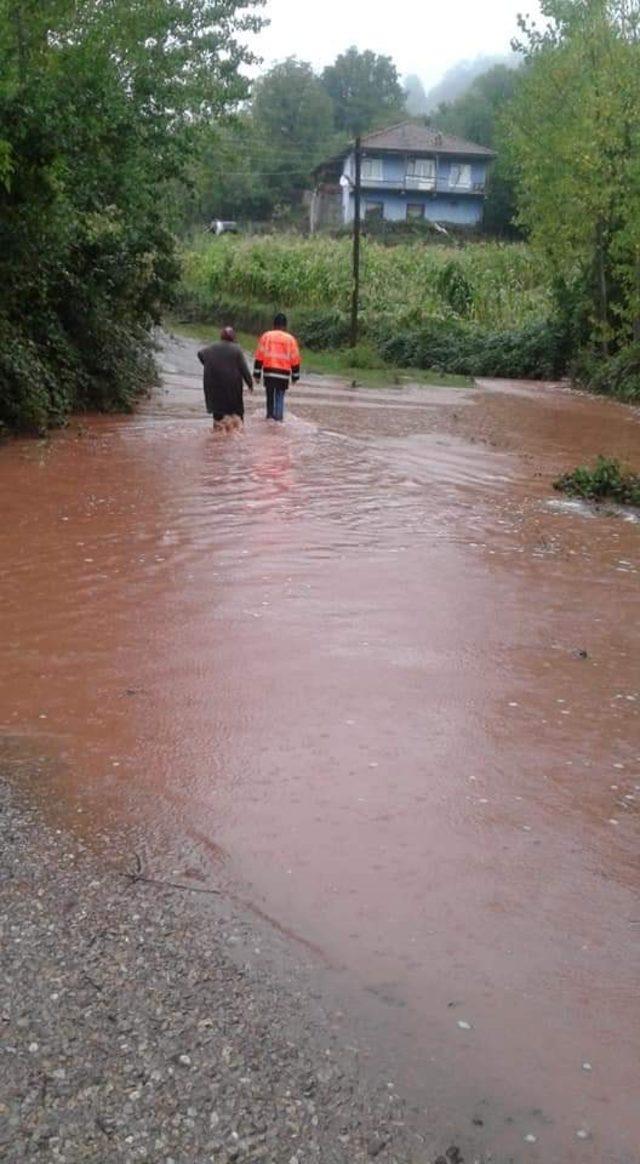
280	322
229	334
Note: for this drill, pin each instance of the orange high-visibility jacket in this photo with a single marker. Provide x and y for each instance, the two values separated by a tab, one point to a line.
278	356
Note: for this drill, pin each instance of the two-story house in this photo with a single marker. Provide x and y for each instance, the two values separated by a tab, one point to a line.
409	172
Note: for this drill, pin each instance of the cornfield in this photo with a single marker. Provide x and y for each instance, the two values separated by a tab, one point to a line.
496	285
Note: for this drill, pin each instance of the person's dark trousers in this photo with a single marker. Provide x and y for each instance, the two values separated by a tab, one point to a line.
278	404
275	391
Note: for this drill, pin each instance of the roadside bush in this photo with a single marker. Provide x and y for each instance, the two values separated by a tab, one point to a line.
535	352
75	324
32	395
618	376
606	480
322	329
80	288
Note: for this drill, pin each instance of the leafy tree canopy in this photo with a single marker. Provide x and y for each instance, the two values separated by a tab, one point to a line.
574	140
98	105
365	90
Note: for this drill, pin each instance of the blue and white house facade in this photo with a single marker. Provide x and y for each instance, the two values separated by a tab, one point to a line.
409	172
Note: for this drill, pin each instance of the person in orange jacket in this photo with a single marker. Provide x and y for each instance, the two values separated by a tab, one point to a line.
278	360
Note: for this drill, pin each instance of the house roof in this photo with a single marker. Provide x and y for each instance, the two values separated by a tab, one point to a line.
410	137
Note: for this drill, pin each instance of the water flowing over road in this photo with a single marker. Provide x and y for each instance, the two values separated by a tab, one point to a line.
376	678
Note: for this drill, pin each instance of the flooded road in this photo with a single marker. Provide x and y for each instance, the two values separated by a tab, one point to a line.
384	684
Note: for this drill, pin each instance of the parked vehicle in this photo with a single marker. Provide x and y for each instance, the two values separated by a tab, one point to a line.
219	226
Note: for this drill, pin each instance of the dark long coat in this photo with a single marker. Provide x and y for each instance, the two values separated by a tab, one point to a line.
225	369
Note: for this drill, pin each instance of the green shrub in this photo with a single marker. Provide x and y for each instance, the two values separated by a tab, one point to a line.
322	329
364	355
617	376
455	289
96	133
534	352
607	480
28	385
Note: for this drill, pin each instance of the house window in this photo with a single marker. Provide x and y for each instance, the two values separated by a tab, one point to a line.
371	170
421	173
460	177
373	209
415	211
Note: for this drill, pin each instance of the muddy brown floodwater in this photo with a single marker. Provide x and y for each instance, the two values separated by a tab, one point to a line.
386	682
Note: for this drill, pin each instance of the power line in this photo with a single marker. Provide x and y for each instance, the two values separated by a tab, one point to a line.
307	159
265	173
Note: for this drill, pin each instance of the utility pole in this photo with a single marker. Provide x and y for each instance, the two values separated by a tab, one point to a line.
356	245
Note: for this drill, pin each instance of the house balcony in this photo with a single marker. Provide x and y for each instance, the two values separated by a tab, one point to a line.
410	184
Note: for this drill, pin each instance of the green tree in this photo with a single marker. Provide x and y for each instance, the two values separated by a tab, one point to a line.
365	90
226	177
574	138
476	116
293	121
475	113
459	78
98	107
415	97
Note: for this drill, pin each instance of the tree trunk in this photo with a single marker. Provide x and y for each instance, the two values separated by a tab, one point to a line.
602	292
636	318
17	17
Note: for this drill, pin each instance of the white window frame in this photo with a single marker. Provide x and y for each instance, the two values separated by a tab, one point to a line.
421	173
460	176
372	170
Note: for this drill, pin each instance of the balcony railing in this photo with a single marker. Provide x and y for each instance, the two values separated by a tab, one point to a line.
413	184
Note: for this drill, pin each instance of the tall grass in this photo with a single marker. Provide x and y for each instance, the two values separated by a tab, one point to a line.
496	285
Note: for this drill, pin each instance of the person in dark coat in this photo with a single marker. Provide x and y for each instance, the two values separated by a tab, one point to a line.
225	370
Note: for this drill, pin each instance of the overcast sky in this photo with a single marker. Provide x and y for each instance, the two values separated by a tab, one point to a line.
422	38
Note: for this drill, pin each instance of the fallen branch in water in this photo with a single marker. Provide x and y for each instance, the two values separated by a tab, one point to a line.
133	878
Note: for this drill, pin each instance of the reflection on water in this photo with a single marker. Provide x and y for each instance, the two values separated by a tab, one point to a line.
386	683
